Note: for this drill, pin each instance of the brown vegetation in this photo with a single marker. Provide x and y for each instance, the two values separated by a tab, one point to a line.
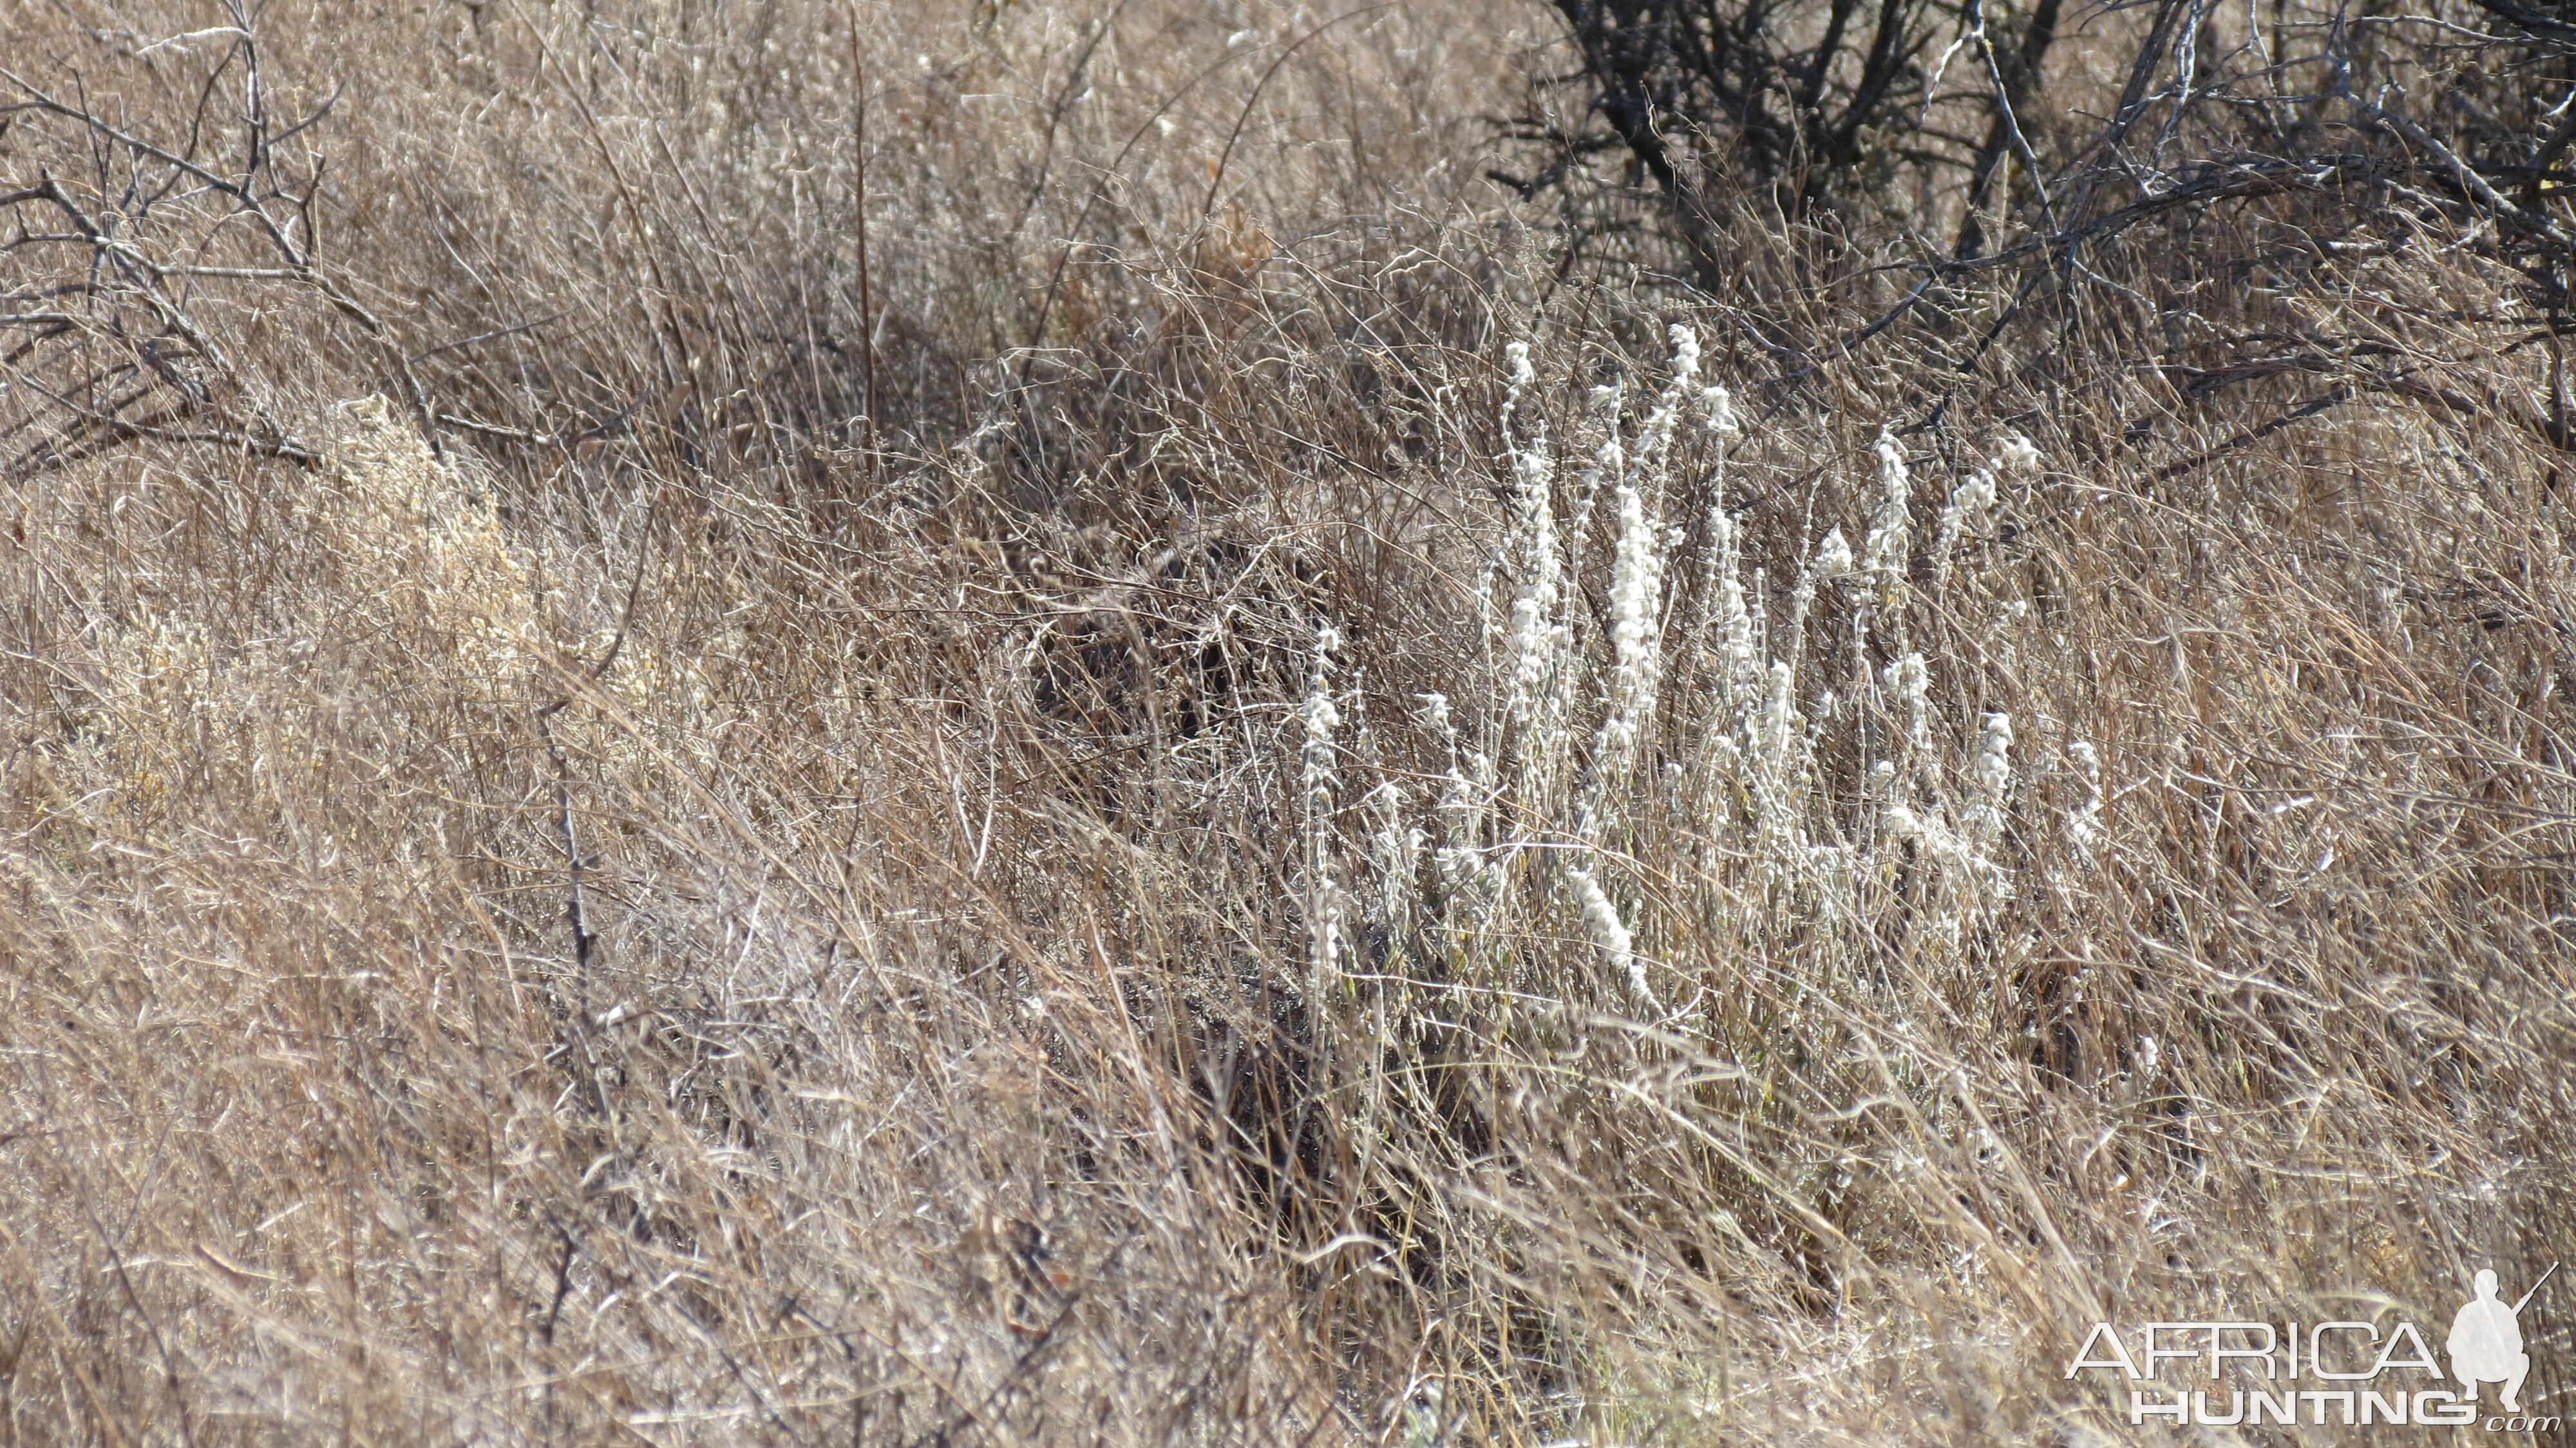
608	837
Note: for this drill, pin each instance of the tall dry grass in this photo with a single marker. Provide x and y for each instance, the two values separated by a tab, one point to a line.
1197	876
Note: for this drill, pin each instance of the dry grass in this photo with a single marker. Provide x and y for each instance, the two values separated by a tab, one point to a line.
693	915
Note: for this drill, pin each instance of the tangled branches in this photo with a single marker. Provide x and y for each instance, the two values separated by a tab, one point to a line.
2200	204
129	258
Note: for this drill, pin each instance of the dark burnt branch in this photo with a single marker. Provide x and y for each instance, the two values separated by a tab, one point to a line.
136	254
1713	98
2445	123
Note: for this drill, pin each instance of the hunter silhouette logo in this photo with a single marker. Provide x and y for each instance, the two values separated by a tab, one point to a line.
2346	1372
2486	1340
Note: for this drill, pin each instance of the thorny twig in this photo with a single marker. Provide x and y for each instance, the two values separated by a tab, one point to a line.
128	329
